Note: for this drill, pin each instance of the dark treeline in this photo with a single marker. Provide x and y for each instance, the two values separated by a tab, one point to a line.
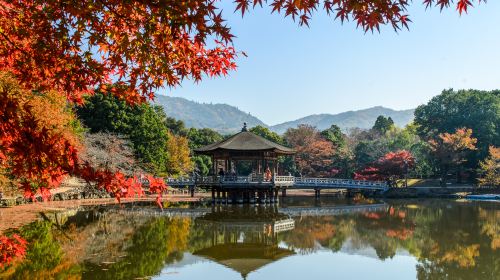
455	136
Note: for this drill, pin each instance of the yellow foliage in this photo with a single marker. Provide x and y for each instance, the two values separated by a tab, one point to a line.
490	168
463	256
490	225
179	161
53	113
178	234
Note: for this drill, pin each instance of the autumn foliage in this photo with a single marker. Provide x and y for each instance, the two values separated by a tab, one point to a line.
451	149
36	143
39	146
11	248
392	164
179	160
368	14
73	48
490	168
313	152
76	46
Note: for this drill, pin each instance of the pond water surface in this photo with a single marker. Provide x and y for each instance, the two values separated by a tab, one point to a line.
299	239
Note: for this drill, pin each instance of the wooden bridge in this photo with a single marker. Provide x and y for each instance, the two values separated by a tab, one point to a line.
282	182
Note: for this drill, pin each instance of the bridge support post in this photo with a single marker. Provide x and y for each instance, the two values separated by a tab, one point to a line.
251	197
283	192
191	190
213	195
317	193
218	196
276	196
224	197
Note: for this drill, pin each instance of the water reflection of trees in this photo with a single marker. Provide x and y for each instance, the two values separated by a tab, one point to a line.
450	241
158	242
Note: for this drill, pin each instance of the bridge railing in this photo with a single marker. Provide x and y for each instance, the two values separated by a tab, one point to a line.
287	181
320	182
284	180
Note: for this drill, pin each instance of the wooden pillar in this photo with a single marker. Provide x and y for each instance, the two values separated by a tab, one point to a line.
191	190
283	192
218	195
213	195
276	197
317	193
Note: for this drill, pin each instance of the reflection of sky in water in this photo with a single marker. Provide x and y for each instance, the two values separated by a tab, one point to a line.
439	239
319	265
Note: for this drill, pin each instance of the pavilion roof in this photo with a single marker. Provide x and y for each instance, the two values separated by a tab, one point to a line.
244	258
245	141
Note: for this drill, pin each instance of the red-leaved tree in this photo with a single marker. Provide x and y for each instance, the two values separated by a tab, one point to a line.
392	165
314	153
75	47
11	248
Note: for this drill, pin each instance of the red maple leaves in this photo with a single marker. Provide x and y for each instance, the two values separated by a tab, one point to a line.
462	5
33	147
11	248
76	46
121	186
39	148
368	14
392	164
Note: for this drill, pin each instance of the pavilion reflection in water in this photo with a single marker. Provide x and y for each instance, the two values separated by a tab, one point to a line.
245	238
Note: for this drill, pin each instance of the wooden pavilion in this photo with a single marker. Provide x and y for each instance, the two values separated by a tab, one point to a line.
244	239
245	167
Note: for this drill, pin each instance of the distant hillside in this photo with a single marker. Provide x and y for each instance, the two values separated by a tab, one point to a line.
220	117
361	118
228	119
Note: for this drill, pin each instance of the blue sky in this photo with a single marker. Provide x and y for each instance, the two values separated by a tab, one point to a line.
293	71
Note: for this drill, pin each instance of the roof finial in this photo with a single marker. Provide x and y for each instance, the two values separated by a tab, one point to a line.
244	127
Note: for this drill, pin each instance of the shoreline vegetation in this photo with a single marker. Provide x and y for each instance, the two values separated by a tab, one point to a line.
17	211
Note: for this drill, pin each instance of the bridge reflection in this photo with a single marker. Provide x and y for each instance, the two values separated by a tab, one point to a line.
255	212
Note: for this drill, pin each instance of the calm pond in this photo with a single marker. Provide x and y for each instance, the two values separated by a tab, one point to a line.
299	239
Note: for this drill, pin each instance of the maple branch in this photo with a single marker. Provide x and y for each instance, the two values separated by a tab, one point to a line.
12	43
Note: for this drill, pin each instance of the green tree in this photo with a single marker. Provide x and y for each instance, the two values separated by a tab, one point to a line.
267	134
143	124
334	135
202	137
451	110
198	138
383	124
177	127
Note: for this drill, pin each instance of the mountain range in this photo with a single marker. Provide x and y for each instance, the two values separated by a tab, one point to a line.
228	119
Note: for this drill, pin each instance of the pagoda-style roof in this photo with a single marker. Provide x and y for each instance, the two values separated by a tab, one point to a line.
244	258
245	141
